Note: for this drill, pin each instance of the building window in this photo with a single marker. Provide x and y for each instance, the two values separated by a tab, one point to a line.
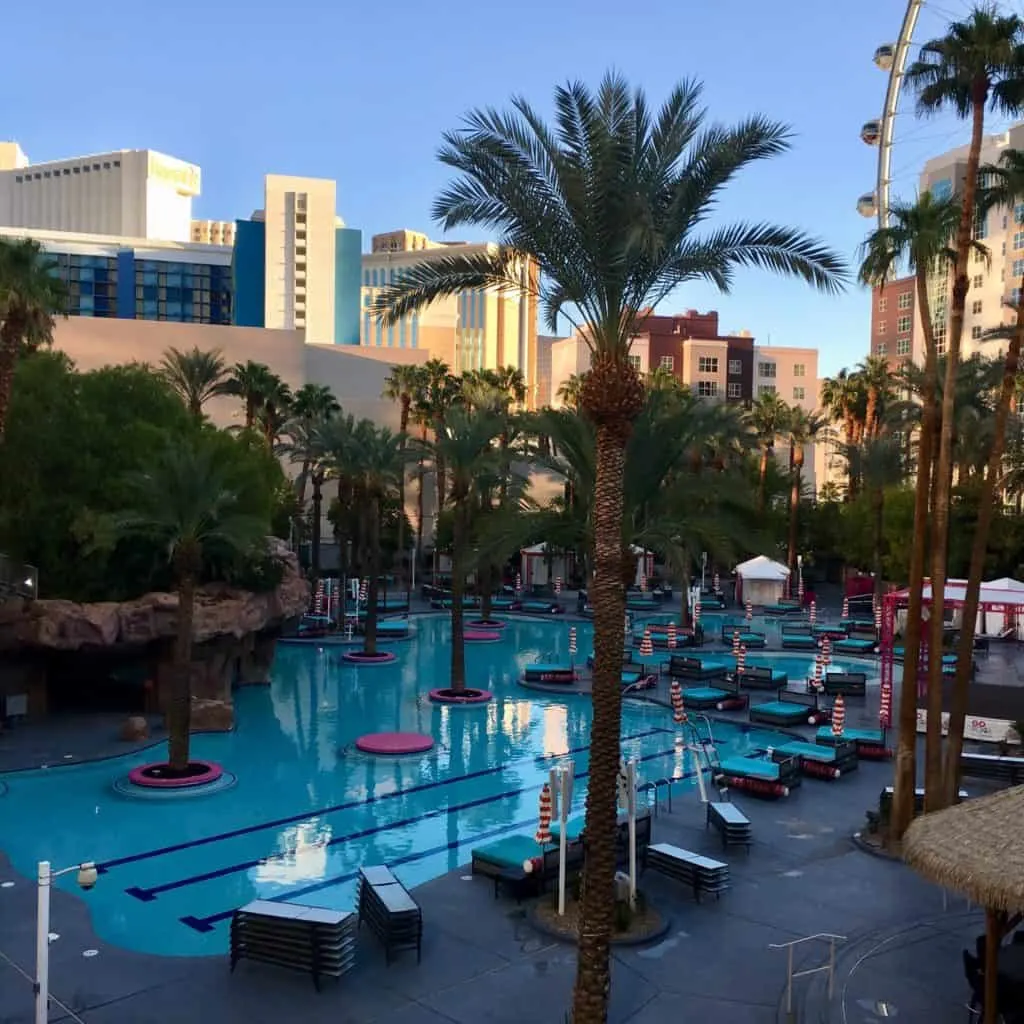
1018	214
768	369
904	300
976	307
881	349
735	368
1014	296
903	324
707	364
734	390
880	328
799	394
1018	239
903	346
942	189
883	305
668	362
634	361
707	388
766	389
1018	268
976	333
981	227
977	281
799	370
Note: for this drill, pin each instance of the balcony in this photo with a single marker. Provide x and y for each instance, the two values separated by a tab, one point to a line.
17	580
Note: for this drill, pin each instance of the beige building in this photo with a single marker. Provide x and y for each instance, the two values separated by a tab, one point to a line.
475	330
213	232
138	193
792	373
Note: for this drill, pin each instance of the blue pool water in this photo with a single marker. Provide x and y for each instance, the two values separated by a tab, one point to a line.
308	810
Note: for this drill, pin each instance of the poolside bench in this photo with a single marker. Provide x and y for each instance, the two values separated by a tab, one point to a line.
702	874
297	937
730	822
993	766
392	914
759	677
681	667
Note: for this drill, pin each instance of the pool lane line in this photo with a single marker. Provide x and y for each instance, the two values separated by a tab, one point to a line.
149	893
291	819
206	924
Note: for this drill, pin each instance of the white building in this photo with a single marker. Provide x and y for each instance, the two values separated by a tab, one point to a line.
136	193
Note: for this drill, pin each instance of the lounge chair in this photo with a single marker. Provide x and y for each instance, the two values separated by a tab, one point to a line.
696	669
820	762
540	606
798	637
851	645
546	672
791	708
503	603
870	743
502	860
776	611
724	697
759	775
761	677
641	601
849	684
700	873
828	629
638	676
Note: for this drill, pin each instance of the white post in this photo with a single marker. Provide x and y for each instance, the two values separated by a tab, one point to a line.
564	801
631	812
42	985
703	568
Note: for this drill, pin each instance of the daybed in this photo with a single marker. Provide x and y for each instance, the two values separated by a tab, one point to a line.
791	708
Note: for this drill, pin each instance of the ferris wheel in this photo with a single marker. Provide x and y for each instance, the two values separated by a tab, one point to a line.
898	169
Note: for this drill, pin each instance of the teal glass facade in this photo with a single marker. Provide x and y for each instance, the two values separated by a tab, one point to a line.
348	261
248	265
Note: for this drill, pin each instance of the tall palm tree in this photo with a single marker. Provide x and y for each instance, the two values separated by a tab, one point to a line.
304	446
843	399
333	442
274	409
919	235
876	379
311	405
801	428
769	415
605	204
377	467
196	376
881	466
1006	188
251	382
405	385
187	503
439	394
31	296
977	64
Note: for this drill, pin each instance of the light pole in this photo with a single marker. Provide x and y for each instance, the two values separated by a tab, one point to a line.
86	879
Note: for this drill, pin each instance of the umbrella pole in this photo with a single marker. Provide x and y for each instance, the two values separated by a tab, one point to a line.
992	939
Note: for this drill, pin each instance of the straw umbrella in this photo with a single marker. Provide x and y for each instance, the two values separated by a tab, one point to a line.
885	705
735	643
878	618
800	587
977	848
519	583
646	646
543	835
838	716
643	582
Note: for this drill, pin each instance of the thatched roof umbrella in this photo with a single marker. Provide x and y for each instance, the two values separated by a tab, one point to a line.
977	848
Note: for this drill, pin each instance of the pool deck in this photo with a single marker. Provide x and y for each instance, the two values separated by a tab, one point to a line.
480	955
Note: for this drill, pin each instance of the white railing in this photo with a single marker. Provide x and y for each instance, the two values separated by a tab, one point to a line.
830	966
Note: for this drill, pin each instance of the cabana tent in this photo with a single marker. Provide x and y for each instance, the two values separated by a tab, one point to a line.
534	563
977	848
761	580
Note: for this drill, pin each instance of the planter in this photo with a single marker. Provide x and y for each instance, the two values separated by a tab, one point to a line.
480	636
467	696
362	658
390	743
158	775
487	625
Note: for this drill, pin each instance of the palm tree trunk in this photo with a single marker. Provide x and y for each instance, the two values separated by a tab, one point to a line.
303	475
458	673
762	482
944	468
684	607
593	975
314	544
420	479
373	558
905	775
986	507
179	717
794	519
8	362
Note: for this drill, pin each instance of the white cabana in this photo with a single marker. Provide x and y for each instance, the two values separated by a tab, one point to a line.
761	580
1000	607
534	562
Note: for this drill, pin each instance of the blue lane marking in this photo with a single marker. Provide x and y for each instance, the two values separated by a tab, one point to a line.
349	805
206	924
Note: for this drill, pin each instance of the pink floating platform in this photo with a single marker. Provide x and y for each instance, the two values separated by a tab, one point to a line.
481	636
394	743
358	658
138	776
468	696
487	625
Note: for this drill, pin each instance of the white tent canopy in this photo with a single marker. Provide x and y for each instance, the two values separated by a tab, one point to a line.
761	580
762	568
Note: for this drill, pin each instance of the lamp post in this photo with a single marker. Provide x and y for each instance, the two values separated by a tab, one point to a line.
86	879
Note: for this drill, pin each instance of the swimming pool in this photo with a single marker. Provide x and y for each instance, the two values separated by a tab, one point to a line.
303	818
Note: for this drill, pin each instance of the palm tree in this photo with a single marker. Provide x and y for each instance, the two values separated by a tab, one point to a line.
977	63
881	466
769	416
332	445
843	398
604	205
440	391
187	504
305	447
919	235
195	376
801	428
31	296
876	379
377	467
405	385
274	409
310	406
251	382
569	391
1006	188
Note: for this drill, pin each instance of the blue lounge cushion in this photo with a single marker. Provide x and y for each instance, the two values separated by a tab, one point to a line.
810	751
783	709
539	666
704	693
392	627
853	645
750	767
509	851
629	678
573	828
863	735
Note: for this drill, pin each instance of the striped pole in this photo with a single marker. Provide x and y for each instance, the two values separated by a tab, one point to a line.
846	608
543	835
813	612
816	682
749	610
572	646
678	710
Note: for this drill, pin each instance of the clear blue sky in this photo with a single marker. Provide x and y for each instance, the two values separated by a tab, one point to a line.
361	91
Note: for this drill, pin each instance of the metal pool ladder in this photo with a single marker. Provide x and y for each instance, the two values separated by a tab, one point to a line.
829	966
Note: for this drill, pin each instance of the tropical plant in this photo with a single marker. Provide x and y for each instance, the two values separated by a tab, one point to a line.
801	428
252	382
187	502
919	235
769	417
195	376
976	64
31	296
405	385
876	379
569	391
303	447
604	206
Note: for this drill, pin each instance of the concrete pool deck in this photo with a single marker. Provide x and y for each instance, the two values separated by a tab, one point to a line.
480	956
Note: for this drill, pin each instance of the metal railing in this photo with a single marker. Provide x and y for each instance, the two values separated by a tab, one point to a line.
17	579
830	966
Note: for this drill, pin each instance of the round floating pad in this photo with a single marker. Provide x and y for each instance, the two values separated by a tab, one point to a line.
481	636
149	775
467	696
359	658
394	743
488	625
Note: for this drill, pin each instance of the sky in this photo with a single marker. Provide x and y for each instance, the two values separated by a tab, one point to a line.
360	92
